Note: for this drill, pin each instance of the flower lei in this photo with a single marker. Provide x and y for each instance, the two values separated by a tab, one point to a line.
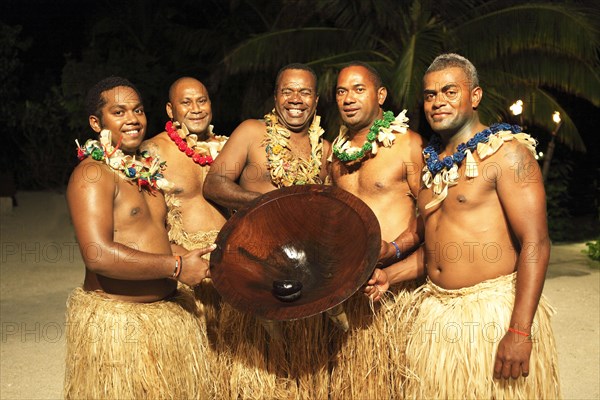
285	169
146	171
381	131
203	152
443	173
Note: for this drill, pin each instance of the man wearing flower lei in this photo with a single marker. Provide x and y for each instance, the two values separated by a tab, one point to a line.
377	158
131	333
285	148
487	251
189	147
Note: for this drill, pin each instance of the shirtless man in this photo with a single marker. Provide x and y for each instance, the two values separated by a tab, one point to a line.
247	166
250	165
383	171
129	313
487	251
189	146
387	179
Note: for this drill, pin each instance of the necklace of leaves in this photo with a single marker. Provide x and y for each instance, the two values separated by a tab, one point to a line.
435	164
353	154
284	167
146	170
200	152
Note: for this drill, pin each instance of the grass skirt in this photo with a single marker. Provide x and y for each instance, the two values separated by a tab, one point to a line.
369	360
291	365
313	359
207	299
453	345
125	350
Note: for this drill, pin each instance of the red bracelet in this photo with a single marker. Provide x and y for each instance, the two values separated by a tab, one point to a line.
518	332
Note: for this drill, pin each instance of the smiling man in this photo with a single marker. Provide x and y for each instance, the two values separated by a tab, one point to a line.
285	148
131	332
487	251
189	147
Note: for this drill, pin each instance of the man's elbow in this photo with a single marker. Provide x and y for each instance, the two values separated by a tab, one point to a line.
99	258
209	187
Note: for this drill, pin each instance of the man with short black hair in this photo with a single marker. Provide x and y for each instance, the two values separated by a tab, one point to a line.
131	332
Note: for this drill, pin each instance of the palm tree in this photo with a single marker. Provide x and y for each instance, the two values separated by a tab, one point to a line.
521	50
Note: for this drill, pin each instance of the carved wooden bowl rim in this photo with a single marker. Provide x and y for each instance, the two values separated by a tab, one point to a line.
235	277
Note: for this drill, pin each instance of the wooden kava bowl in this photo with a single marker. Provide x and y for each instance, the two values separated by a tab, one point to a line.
296	252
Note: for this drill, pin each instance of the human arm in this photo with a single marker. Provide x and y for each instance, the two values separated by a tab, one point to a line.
412	267
405	244
220	185
91	196
521	193
411	147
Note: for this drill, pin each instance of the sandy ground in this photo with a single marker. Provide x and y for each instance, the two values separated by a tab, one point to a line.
41	264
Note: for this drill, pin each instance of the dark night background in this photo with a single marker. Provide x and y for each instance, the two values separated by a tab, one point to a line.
59	31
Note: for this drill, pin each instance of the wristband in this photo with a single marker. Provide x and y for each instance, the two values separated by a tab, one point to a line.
519	332
177	270
397	250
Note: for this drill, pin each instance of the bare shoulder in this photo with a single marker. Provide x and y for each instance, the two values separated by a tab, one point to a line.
410	144
410	138
248	132
516	161
249	128
90	176
155	145
513	151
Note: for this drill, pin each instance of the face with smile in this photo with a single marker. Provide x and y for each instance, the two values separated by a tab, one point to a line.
448	101
123	115
358	99
296	99
190	105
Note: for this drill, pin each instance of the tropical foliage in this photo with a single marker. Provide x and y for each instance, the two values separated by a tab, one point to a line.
530	51
520	49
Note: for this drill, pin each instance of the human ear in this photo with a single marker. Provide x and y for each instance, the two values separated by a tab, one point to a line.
381	95
476	96
95	123
169	109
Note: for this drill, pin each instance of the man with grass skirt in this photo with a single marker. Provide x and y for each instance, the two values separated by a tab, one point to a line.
483	327
189	147
377	158
265	359
131	333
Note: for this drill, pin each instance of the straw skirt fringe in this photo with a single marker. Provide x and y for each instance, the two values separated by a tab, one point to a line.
313	359
369	360
452	348
124	350
207	300
293	365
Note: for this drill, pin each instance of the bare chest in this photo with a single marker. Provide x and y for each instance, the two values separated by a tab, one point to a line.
134	208
186	176
372	175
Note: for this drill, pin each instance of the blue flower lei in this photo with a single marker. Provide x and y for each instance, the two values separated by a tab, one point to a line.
435	164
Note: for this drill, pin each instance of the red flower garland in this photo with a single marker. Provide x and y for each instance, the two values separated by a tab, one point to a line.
183	146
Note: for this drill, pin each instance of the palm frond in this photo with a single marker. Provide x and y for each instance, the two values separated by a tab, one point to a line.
550	27
274	49
569	74
545	105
